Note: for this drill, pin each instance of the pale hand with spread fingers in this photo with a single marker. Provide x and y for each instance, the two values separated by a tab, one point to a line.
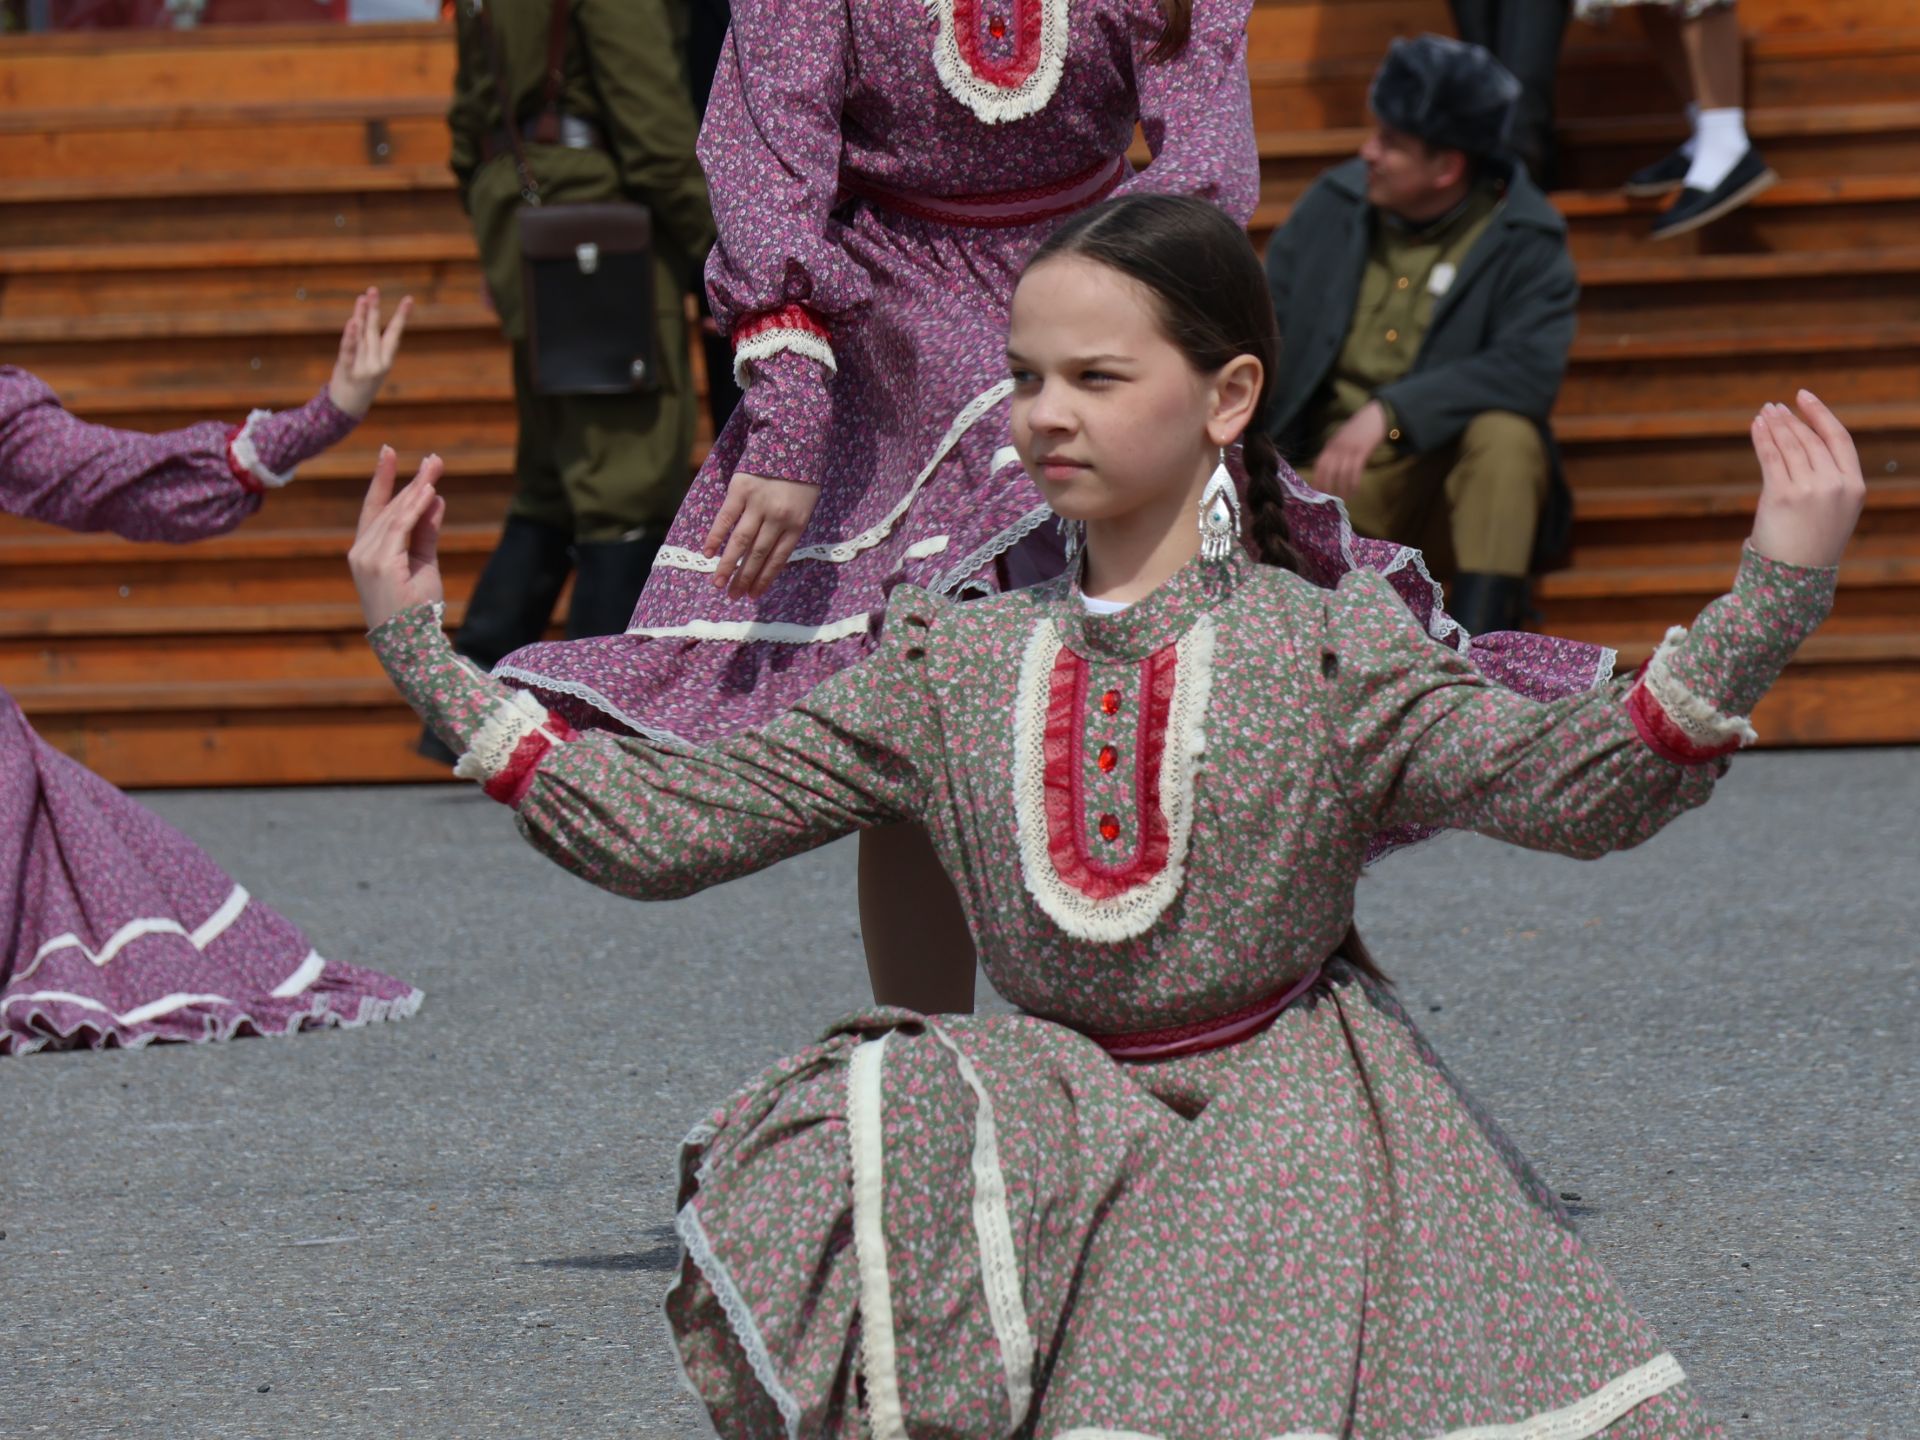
395	555
759	526
366	354
1811	487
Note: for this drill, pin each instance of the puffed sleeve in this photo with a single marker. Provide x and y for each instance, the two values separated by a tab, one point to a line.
780	282
1196	110
179	485
655	823
1426	740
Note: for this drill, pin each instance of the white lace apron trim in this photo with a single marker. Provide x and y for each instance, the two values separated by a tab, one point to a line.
879	1358
998	104
839	552
739	1317
1133	911
999	1259
779	632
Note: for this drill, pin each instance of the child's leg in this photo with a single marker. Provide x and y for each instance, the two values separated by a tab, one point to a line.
919	951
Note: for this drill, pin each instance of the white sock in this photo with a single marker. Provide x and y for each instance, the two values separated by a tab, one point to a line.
1720	139
1692	142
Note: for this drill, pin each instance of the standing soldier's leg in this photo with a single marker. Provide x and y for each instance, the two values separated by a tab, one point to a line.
625	462
1494	492
512	601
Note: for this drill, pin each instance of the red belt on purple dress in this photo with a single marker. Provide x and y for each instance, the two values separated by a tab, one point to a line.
1004	209
1204	1035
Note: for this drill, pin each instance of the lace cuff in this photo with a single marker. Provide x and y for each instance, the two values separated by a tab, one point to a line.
792	327
507	752
1676	723
263	452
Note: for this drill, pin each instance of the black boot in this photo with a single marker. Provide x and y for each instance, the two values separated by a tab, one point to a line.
607	586
512	602
1485	603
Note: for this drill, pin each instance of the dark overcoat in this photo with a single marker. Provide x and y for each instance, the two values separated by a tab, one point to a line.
1498	340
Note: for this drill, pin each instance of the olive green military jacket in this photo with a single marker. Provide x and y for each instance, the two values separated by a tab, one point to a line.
625	72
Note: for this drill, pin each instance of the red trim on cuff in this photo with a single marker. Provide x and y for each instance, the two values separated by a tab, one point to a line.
1662	735
510	786
248	480
787	317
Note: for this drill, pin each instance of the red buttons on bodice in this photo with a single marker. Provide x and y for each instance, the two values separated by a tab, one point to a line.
1109	828
997	27
1110	703
1108	758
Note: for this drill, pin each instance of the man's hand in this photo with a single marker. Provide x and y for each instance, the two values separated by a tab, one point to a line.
760	523
1344	461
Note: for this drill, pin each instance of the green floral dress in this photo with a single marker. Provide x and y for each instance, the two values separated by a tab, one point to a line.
955	1226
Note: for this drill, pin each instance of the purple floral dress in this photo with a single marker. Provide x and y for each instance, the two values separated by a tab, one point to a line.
1212	1184
881	170
115	929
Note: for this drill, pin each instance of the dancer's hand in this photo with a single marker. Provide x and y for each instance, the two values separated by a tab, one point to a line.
395	554
366	354
1811	488
1344	461
759	525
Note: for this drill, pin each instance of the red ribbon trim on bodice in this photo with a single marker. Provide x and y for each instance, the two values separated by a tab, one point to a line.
1024	19
1065	759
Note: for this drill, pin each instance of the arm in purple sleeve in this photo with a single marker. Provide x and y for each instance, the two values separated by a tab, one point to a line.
180	485
1196	110
779	283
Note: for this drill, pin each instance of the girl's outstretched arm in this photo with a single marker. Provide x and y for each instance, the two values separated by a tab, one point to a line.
1427	740
634	817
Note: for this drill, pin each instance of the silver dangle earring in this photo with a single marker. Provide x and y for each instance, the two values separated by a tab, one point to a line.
1219	514
1073	535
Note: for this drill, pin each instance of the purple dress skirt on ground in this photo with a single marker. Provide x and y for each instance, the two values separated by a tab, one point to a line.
881	170
115	929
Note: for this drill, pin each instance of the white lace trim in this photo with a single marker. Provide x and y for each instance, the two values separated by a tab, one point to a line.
1698	720
779	632
200	937
1134	911
739	1316
247	455
996	104
44	1029
955	579
1577	1421
879	1359
839	552
652	734
772	341
999	1260
512	720
1447	630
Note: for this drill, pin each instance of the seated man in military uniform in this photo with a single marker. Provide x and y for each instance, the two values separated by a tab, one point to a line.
1426	306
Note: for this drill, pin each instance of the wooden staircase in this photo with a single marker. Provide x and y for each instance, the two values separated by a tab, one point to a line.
185	218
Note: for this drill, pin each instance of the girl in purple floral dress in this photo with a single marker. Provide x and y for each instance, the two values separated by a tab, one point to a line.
115	929
1212	1184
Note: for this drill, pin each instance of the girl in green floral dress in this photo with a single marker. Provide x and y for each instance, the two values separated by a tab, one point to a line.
1211	1184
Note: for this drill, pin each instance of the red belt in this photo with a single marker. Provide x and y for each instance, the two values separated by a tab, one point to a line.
1003	209
1204	1035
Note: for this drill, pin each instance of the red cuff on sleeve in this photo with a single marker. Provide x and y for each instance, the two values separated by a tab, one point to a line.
1662	735
248	481
510	786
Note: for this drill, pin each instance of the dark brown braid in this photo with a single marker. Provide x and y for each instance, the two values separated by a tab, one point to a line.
1178	15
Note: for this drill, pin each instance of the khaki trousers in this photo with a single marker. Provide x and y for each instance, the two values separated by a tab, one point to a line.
1470	507
600	467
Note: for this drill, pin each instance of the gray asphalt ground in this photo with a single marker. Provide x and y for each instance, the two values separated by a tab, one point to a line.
458	1225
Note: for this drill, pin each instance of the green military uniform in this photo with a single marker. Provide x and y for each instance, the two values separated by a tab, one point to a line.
598	467
1472	505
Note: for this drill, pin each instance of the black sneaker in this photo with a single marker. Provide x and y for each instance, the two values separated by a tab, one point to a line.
1695	208
1662	177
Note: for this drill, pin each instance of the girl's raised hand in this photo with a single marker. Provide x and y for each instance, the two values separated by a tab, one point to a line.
366	354
1811	487
395	554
